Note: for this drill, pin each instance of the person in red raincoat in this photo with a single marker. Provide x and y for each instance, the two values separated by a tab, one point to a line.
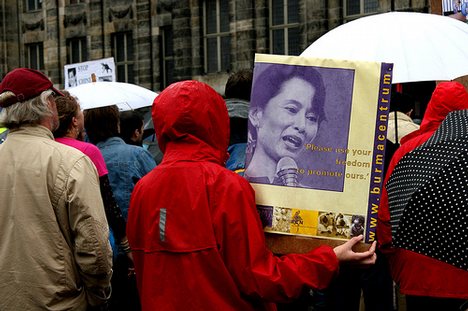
428	284
198	241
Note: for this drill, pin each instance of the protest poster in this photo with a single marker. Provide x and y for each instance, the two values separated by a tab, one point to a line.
315	153
91	71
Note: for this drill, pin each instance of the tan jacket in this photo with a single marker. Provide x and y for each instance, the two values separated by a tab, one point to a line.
405	126
54	247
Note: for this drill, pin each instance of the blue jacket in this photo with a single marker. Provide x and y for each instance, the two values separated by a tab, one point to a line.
236	161
126	165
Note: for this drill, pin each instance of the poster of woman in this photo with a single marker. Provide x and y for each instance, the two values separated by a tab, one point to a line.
314	148
296	110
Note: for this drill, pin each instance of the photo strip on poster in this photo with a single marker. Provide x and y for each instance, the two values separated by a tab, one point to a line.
316	142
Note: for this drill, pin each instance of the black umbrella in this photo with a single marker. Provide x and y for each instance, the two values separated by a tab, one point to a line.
428	195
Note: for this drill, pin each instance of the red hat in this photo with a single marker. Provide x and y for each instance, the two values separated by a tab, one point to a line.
23	84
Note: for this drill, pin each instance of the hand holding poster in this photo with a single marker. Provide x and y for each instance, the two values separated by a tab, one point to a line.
317	131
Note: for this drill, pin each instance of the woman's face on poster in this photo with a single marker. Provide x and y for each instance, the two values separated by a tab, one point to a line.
288	121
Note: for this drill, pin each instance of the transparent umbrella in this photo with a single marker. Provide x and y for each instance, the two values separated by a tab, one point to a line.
422	47
126	96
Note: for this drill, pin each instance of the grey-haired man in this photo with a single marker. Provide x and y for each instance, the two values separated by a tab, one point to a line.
54	248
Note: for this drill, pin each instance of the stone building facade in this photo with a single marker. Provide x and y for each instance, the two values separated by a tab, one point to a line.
156	42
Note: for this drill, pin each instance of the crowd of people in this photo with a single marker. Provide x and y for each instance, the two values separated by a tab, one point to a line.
90	221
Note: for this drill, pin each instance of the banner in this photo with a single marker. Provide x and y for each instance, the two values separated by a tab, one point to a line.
92	71
317	133
454	6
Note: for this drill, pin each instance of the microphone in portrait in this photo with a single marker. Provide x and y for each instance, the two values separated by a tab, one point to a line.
286	169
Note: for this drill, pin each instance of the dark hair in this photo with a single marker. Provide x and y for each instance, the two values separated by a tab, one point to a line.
270	81
239	85
67	108
129	122
101	123
401	102
238	130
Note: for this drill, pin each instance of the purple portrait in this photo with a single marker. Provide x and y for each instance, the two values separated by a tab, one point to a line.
298	126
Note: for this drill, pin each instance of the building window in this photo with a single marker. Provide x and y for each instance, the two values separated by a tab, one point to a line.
284	27
167	57
77	50
32	5
76	1
357	8
216	36
35	56
122	48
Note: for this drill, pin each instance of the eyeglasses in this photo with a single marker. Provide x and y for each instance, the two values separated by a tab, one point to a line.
54	95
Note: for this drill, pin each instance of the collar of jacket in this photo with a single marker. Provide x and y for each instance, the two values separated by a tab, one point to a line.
194	150
35	130
111	141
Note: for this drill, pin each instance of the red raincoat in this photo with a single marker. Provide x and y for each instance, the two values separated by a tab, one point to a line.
417	274
197	238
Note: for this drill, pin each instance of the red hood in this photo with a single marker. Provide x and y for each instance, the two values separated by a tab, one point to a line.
447	97
192	117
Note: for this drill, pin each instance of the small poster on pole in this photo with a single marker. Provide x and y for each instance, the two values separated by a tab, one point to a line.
317	133
92	71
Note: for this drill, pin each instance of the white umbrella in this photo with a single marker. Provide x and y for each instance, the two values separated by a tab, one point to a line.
126	96
422	47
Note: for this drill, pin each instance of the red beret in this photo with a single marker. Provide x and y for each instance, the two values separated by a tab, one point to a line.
25	84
